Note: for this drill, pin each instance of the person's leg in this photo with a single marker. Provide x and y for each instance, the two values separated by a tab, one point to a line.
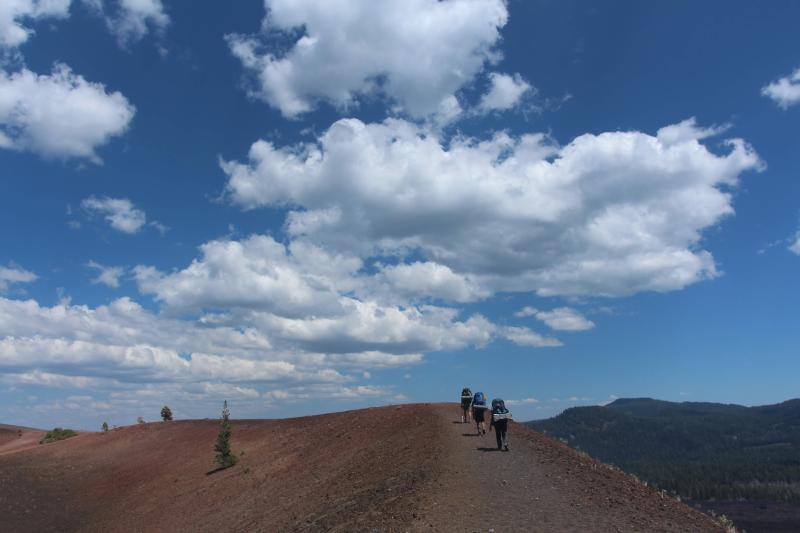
505	435
498	436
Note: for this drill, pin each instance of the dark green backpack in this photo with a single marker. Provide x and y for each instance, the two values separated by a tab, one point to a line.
499	406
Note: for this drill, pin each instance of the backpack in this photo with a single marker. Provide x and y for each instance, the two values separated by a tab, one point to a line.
499	411
466	393
499	406
479	400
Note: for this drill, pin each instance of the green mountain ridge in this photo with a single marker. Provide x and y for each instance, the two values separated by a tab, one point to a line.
698	450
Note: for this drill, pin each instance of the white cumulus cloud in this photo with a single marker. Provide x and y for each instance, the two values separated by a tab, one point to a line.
302	297
785	91
59	115
118	212
419	280
505	92
15	14
610	214
418	53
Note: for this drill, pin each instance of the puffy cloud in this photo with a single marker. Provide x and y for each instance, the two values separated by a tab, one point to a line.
122	341
120	346
125	323
505	92
14	274
527	337
416	52
415	281
59	115
687	131
107	275
257	273
526	311
610	214
560	319
785	91
118	212
302	296
371	327
14	14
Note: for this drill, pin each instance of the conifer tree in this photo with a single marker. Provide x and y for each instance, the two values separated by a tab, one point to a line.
224	458
105	426
166	413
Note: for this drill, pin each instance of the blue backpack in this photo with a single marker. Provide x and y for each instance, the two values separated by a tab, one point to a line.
479	400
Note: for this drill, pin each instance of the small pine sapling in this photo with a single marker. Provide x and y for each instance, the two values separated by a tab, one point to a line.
105	427
224	458
166	414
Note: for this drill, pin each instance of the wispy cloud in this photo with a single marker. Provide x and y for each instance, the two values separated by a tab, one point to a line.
107	275
559	319
118	212
14	274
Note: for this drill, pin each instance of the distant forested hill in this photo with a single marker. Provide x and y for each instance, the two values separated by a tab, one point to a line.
696	450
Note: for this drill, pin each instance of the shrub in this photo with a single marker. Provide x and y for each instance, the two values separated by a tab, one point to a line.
140	420
57	434
224	458
166	413
105	426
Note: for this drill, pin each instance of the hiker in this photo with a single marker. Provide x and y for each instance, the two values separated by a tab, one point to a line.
479	412
500	418
466	403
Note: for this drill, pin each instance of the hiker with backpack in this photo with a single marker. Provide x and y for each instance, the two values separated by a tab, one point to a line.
479	412
500	418
466	403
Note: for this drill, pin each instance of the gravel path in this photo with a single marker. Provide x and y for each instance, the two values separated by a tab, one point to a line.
542	485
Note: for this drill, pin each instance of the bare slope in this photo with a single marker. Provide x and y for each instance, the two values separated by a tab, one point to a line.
11	441
406	468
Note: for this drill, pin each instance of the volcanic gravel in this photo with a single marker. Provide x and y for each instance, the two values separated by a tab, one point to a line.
395	468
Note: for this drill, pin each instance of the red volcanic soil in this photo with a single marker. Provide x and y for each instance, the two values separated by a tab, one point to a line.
397	468
11	440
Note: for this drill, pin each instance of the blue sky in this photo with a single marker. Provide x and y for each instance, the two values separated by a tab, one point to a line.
304	207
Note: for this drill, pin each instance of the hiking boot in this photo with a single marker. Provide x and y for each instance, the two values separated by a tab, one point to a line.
505	448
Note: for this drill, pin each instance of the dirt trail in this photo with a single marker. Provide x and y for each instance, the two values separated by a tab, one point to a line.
390	469
543	485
